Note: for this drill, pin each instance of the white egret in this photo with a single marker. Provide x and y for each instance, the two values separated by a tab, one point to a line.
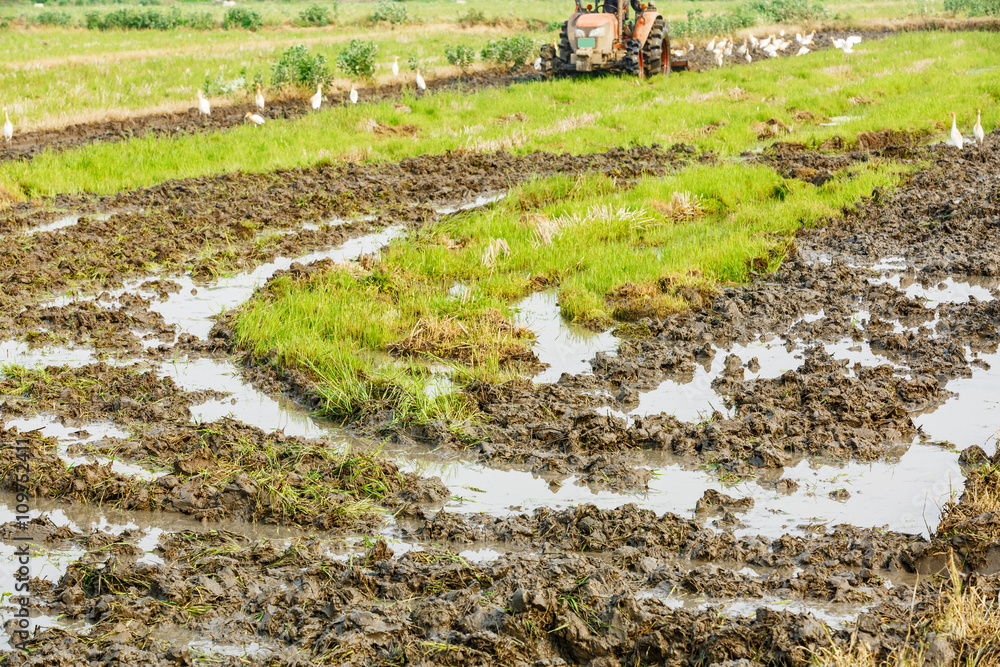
956	136
259	98
420	81
8	127
711	45
395	66
804	50
743	49
977	131
254	118
317	99
203	106
748	58
353	95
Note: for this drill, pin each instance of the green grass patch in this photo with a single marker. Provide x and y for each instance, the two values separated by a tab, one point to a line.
366	336
905	83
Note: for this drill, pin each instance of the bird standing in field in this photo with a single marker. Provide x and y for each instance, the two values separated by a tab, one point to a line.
317	99
420	81
254	118
977	131
259	98
395	66
956	136
353	95
8	127
804	50
204	107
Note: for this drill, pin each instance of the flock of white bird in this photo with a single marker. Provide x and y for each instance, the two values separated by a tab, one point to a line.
316	101
205	107
721	48
770	46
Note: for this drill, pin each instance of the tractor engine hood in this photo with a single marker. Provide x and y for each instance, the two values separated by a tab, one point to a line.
593	33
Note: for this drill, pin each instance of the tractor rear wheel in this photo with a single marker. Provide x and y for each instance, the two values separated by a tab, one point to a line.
652	50
632	62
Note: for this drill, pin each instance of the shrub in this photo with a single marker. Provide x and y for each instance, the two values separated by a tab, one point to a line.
200	21
134	19
386	11
297	66
54	18
358	59
510	51
315	15
239	17
973	7
460	56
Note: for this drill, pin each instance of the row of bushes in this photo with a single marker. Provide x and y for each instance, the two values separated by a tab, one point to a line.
358	59
130	18
298	66
154	19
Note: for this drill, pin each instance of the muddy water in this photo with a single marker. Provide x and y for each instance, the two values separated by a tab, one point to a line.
563	347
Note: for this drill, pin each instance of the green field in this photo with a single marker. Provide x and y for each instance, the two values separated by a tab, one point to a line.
906	83
57	75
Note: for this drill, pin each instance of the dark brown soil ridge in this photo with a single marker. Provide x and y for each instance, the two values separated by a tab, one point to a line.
435	607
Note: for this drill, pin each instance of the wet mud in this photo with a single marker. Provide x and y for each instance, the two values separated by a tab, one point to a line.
845	354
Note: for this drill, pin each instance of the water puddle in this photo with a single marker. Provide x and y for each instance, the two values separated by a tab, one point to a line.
66	221
565	347
245	403
695	399
948	290
973	416
48	427
904	495
837	615
18	353
478	202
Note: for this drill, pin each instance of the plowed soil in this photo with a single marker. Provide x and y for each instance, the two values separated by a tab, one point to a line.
578	585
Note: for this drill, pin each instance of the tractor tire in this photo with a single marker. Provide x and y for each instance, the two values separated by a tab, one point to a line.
653	50
632	62
565	48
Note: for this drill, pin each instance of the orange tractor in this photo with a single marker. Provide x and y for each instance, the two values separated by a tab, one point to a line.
606	39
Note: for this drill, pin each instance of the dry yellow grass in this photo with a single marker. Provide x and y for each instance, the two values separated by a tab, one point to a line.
497	249
683	206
